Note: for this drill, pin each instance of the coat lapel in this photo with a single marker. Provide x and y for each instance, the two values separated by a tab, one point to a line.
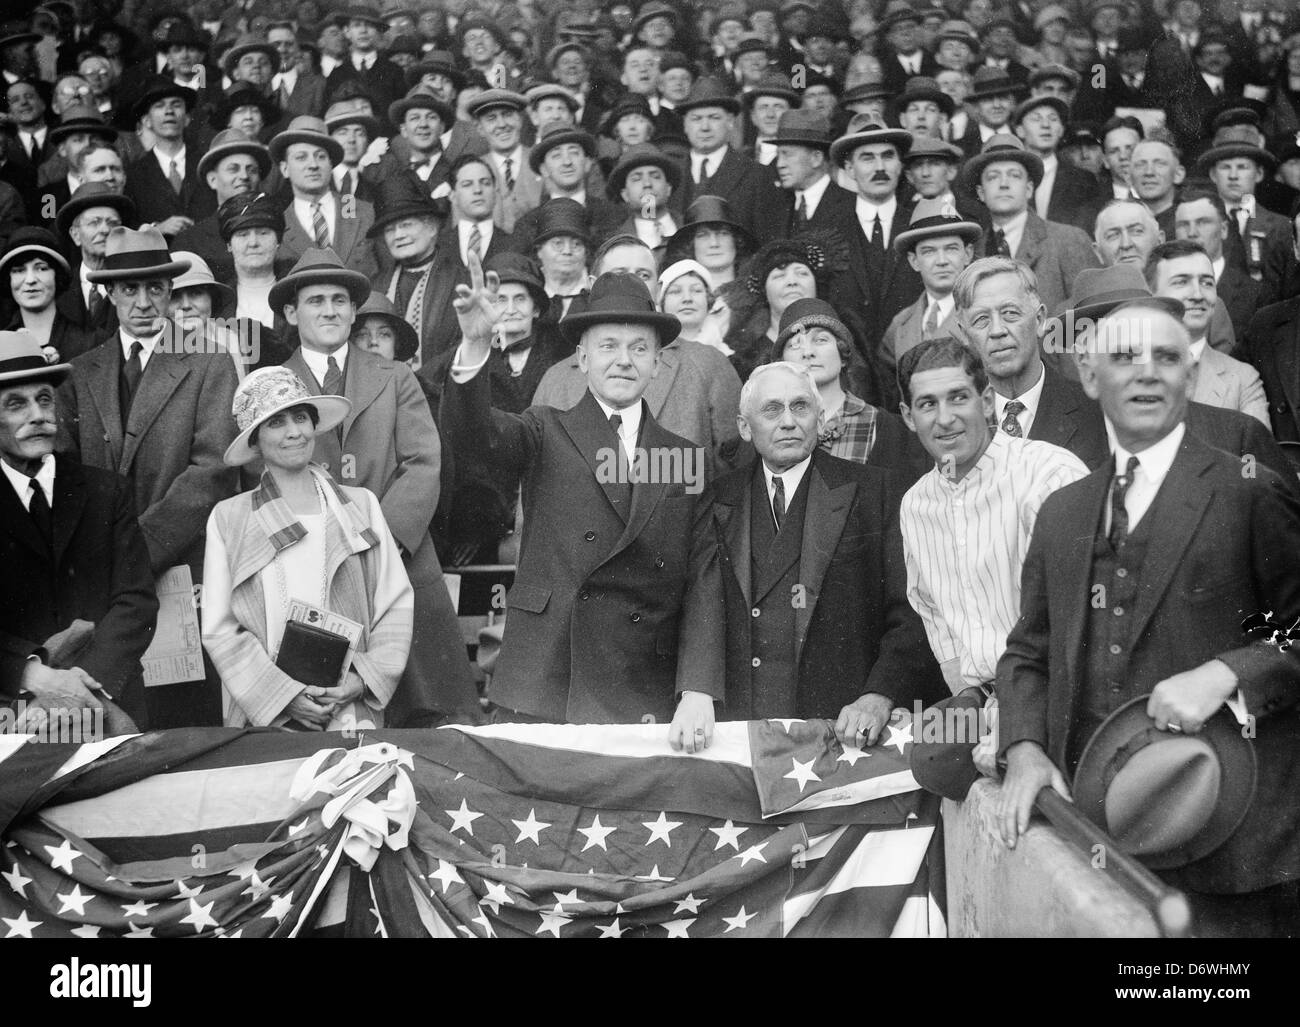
656	393
646	494
363	381
69	502
586	427
1288	356
1211	379
104	367
345	235
733	514
1031	240
162	375
1073	555
827	513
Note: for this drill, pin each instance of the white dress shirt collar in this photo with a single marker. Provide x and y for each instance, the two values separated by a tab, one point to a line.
630	430
22	483
1156	460
868	211
165	162
1218	266
463	229
1014	230
364	61
1031	397
791	477
1197	348
147	345
302	208
812	196
710	161
318	363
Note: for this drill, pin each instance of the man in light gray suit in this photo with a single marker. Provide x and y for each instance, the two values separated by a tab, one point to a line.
1182	269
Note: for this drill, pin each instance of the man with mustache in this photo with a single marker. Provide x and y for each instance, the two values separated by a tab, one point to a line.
1182	270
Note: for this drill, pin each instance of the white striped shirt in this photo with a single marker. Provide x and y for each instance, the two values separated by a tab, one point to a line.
965	543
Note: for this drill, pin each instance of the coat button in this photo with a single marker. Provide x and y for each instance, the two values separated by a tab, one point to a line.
755	612
635	618
1115	650
106	438
584	596
1121	572
755	662
1119	611
590	536
659	562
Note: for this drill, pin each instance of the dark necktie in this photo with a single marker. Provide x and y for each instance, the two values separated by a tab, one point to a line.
132	371
616	422
333	383
1118	512
508	171
931	327
877	235
41	513
999	245
1011	422
801	214
96	310
778	500
174	177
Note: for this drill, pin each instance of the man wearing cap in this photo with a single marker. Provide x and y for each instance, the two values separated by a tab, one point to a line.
317	217
87	220
390	445
380	78
563	159
296	89
1064	194
144	407
164	184
939	244
1055	80
500	119
73	553
904	57
605	548
644	179
1004	176
78	129
234	164
811	201
1179	545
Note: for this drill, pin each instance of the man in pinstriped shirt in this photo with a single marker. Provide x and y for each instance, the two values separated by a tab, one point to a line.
966	527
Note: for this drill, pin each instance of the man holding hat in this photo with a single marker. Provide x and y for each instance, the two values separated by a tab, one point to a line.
605	542
164	184
143	407
318	217
379	78
389	444
235	163
1149	534
1064	194
74	555
811	201
87	220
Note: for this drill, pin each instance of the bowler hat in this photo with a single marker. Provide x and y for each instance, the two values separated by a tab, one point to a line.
934	218
990	82
232	140
709	92
265	393
246	45
135	255
708	211
403	195
305	129
562	216
618	297
249	210
865	130
80	118
355	111
803	128
160	88
243	94
406	341
1168	798
1003	147
520	269
775	84
419	98
639	156
1101	291
559	135
93	194
318	267
922	87
21	360
199	276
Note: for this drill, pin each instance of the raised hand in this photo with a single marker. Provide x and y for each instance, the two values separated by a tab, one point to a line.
476	309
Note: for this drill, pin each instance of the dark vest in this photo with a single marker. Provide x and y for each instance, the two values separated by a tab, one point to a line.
774	571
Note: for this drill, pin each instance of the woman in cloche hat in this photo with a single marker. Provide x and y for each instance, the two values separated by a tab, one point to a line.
38	272
300	538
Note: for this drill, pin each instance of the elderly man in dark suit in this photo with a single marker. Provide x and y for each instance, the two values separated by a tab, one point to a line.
87	220
810	198
72	551
388	444
142	406
798	590
609	498
1184	546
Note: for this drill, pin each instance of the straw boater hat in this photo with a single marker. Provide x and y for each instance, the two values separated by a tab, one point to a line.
934	218
864	130
131	255
21	360
618	297
318	267
199	276
93	194
306	129
266	392
232	140
406	342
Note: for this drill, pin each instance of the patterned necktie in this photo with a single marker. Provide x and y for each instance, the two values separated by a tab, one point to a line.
509	174
174	177
41	513
778	500
1000	243
1118	511
801	213
1011	419
932	321
475	242
319	226
333	383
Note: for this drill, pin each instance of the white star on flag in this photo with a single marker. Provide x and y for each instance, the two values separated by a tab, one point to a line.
298	827
802	772
653	875
280	907
86	931
463	818
660	829
728	834
612	930
691	904
138	932
185	892
738	922
596	834
496	896
257	887
61	856
571	897
753	852
237	934
21	927
850	755
137	908
74	900
553	922
16	880
785	724
446	875
486	924
530	828
900	737
677	928
200	916
244	870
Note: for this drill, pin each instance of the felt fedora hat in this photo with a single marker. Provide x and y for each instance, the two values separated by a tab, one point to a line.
865	130
199	276
81	119
131	254
265	393
923	87
319	267
1101	291
1168	798
618	297
242	94
650	11
639	156
803	128
519	269
93	194
709	92
231	141
305	129
773	84
558	135
932	219
990	82
22	360
1000	148
246	45
420	98
929	148
872	89
406	342
160	88
351	112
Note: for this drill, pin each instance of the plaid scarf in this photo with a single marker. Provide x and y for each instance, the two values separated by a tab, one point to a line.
283	526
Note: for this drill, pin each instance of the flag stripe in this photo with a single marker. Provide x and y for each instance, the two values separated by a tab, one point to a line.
637	741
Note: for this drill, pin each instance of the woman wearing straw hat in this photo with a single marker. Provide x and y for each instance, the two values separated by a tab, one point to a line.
38	273
299	536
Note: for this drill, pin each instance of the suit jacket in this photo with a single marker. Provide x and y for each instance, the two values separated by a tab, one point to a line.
856	632
71	305
1066	417
1228	546
747	186
1222	381
154	198
1277	259
895	75
308	97
836	210
1055	253
384	83
590	567
19	170
176	434
1272	345
1075	199
98	570
350	242
696	395
1240	296
525	196
906	330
